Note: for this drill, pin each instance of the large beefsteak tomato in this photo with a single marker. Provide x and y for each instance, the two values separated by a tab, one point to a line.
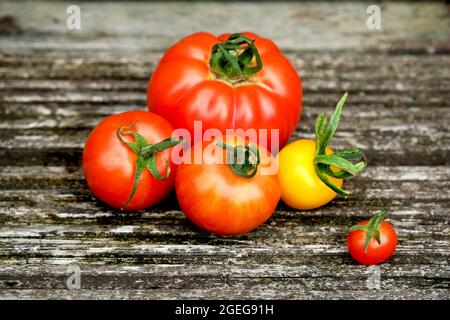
237	81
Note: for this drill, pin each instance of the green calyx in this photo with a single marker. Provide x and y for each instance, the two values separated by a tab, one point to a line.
372	229
232	59
243	160
348	162
146	156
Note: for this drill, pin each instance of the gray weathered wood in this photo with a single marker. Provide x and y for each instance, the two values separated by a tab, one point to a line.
56	85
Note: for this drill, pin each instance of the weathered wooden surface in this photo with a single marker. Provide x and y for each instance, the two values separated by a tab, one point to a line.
55	85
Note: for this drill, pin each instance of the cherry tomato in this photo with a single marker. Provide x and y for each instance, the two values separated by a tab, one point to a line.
372	242
238	81
223	197
310	173
120	163
301	187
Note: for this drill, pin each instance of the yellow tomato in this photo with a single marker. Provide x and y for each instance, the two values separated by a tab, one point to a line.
300	186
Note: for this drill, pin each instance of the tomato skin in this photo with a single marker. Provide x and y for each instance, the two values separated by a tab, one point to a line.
109	165
218	201
301	187
183	89
376	253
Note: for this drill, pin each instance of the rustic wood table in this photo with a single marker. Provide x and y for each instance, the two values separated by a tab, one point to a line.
57	84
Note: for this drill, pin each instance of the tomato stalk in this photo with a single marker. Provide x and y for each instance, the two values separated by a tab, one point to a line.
372	229
243	160
232	59
146	156
349	162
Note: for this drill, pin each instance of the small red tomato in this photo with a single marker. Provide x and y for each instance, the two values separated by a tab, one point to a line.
372	242
223	195
126	160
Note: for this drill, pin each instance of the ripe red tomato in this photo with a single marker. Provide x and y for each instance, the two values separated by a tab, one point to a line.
238	81
223	198
372	242
119	146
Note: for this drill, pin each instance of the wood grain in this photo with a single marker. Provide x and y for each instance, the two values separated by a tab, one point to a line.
56	85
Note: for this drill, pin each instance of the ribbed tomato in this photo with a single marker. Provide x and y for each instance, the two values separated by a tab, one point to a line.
238	81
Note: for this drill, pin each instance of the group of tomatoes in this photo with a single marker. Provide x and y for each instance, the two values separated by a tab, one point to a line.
133	160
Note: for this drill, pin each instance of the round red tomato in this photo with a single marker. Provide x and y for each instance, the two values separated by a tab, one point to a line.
238	81
372	242
120	152
224	198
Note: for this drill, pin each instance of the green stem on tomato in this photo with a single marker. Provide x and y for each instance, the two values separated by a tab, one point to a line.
243	160
349	162
372	229
146	156
232	59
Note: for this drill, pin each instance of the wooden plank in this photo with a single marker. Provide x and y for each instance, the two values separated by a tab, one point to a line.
342	66
237	269
430	86
422	142
157	25
239	275
69	212
220	293
383	146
